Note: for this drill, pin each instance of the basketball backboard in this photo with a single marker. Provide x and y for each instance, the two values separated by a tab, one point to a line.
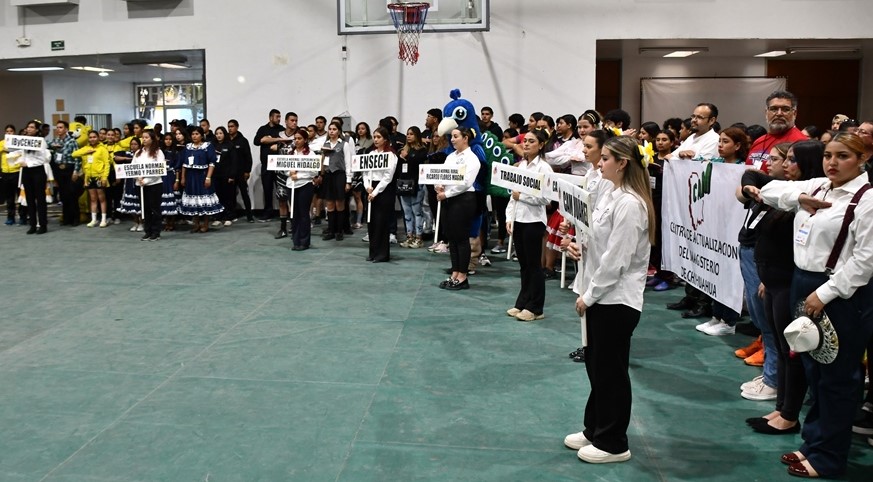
371	16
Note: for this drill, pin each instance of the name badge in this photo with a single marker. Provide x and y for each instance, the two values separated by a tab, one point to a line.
757	219
59	157
652	181
405	168
802	236
190	160
90	159
218	158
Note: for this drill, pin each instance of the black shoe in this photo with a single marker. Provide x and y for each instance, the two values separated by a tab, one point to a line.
369	258
281	234
463	285
32	230
264	219
316	221
348	232
768	429
445	283
327	236
339	236
42	230
145	237
250	219
756	421
580	358
698	312
156	237
684	304
578	352
549	274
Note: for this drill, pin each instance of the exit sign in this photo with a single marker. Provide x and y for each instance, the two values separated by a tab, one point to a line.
57	45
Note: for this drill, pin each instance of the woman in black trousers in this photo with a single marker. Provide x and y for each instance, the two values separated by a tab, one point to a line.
526	223
381	191
301	229
460	208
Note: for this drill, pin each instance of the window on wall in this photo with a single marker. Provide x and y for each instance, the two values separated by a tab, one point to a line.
162	103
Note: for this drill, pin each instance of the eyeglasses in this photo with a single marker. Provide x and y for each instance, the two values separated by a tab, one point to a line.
785	109
700	117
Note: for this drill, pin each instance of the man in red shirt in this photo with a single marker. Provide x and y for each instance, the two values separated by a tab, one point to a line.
781	114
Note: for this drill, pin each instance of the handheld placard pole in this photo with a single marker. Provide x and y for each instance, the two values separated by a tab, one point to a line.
369	209
291	212
142	200
563	269
583	320
436	224
511	234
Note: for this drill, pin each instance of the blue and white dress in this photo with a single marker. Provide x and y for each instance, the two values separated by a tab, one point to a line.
197	199
170	199
130	200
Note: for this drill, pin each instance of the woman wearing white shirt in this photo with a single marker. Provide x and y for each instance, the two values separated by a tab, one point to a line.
836	282
381	191
612	288
153	188
33	178
460	209
526	222
301	229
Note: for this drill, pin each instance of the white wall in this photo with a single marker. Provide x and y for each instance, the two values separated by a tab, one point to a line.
100	96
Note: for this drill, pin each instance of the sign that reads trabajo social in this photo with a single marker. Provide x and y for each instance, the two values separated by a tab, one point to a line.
375	161
25	143
441	174
293	163
574	203
145	169
517	179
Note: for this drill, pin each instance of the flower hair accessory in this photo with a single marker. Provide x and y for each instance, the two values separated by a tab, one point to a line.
616	131
646	153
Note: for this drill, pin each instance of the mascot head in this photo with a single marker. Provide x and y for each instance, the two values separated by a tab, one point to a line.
80	131
458	113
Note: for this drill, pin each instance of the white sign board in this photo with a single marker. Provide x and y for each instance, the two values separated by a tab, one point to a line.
574	204
550	188
441	174
701	220
517	179
25	143
146	169
293	163
376	161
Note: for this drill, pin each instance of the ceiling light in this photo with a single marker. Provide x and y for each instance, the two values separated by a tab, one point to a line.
33	69
156	79
103	74
92	69
673	51
681	53
773	53
823	50
170	66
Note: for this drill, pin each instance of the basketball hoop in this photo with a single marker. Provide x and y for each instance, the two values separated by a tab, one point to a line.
409	20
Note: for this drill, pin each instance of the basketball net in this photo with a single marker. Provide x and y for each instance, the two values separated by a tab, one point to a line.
409	20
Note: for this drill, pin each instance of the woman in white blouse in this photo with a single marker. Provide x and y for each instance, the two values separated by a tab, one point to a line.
303	190
381	191
152	185
460	209
616	262
526	222
836	280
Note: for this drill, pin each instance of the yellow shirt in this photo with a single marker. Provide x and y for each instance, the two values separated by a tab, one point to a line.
6	167
95	161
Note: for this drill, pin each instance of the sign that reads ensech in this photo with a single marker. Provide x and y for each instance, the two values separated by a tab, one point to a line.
574	203
517	179
25	143
376	161
293	163
146	169
441	174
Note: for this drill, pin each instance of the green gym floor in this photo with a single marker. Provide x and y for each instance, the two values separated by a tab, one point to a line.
228	357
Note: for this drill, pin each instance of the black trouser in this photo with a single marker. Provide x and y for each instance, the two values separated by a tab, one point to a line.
226	192
9	191
607	356
152	209
458	214
243	185
301	229
379	228
528	238
69	191
498	205
790	377
268	179
34	180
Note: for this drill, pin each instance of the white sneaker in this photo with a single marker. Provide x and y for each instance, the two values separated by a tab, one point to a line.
116	221
392	239
443	248
92	223
139	228
103	224
133	228
366	238
576	441
216	223
702	327
228	223
759	392
484	261
594	455
720	329
749	385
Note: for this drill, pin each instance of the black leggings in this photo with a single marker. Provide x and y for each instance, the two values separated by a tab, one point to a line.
459	213
34	180
528	239
498	205
790	376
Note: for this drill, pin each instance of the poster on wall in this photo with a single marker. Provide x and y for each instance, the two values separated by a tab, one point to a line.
701	220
